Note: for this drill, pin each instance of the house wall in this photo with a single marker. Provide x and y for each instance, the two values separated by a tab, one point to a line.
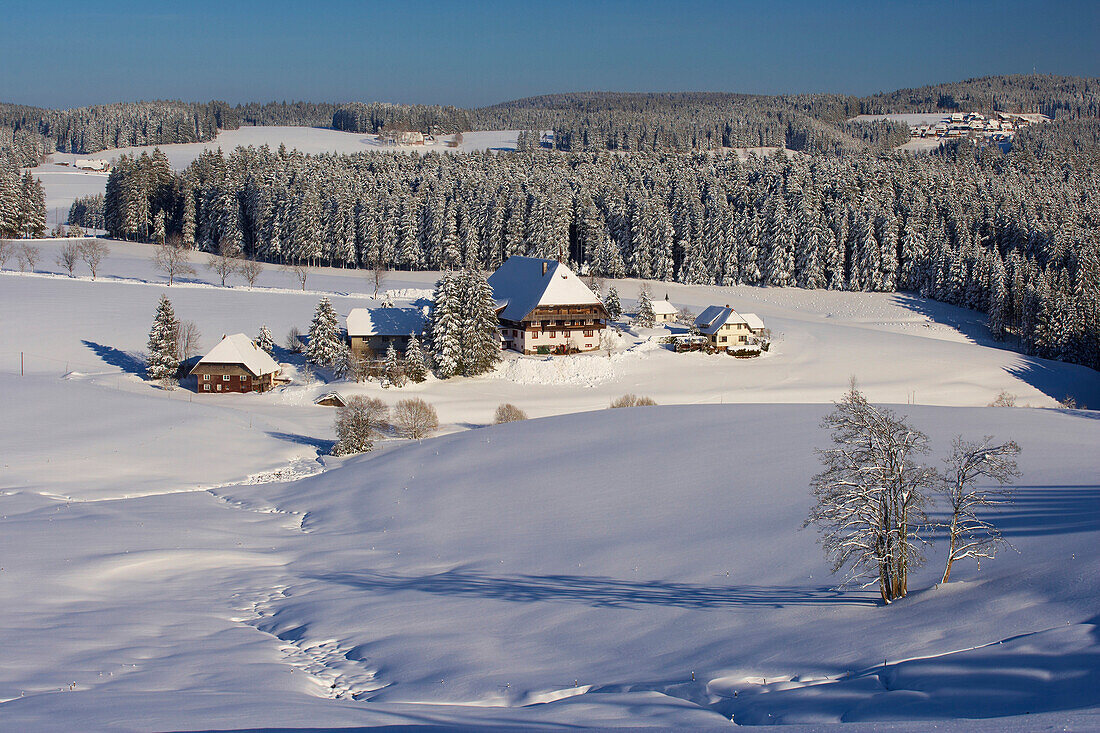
212	379
577	328
730	334
378	345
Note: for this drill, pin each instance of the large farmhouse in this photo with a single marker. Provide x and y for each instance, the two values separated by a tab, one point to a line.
544	308
236	364
371	331
724	327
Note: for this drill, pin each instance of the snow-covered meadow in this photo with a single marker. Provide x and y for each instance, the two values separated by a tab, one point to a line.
190	562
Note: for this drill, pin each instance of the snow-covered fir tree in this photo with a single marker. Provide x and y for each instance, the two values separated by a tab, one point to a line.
393	370
415	365
612	304
162	362
646	316
325	339
264	340
464	326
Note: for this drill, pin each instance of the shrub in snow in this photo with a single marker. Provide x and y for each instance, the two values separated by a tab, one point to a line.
415	365
508	413
27	257
265	341
325	340
1004	399
92	251
632	400
415	418
163	360
69	256
294	341
357	425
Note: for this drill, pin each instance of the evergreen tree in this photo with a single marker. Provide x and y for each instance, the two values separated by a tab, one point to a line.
325	338
393	371
163	362
265	341
415	365
612	304
646	316
481	330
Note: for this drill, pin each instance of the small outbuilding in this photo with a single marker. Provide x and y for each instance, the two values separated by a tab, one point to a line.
664	312
331	399
236	364
371	331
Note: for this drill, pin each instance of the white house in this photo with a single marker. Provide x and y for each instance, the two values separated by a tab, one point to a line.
723	326
664	312
545	308
756	324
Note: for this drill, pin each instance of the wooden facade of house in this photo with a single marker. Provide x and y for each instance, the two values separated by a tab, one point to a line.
544	308
235	365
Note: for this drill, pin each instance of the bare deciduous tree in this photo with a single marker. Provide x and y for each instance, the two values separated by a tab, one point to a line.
299	271
92	251
27	256
6	250
171	258
68	257
377	275
871	495
971	536
357	425
632	400
508	412
224	262
187	340
415	418
250	270
294	342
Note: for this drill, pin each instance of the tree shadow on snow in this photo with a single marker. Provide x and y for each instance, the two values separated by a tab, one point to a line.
1058	381
603	592
972	324
319	444
1039	511
127	361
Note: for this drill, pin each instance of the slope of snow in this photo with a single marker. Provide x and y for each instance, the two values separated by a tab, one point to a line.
176	561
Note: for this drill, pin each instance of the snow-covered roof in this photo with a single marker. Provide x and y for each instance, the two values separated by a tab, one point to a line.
754	321
239	349
385	321
664	308
716	316
522	284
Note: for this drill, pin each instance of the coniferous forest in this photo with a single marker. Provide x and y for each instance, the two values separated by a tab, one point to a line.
1013	235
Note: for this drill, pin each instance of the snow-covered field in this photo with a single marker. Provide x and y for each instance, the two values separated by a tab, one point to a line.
174	561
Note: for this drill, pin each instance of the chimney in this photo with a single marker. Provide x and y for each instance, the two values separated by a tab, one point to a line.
544	264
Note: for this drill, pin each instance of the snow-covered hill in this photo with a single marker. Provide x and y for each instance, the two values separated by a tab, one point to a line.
173	561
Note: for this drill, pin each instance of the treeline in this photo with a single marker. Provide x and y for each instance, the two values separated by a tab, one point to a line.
22	201
1014	235
1060	97
86	212
812	123
378	116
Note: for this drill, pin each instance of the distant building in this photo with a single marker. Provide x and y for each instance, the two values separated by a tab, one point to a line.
664	312
376	329
331	399
545	308
236	364
723	326
403	137
92	165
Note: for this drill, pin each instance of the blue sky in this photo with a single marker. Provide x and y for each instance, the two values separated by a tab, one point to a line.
66	53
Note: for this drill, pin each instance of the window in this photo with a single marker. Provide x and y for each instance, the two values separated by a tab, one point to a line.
552	334
722	339
219	388
242	377
206	387
206	377
588	333
225	377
